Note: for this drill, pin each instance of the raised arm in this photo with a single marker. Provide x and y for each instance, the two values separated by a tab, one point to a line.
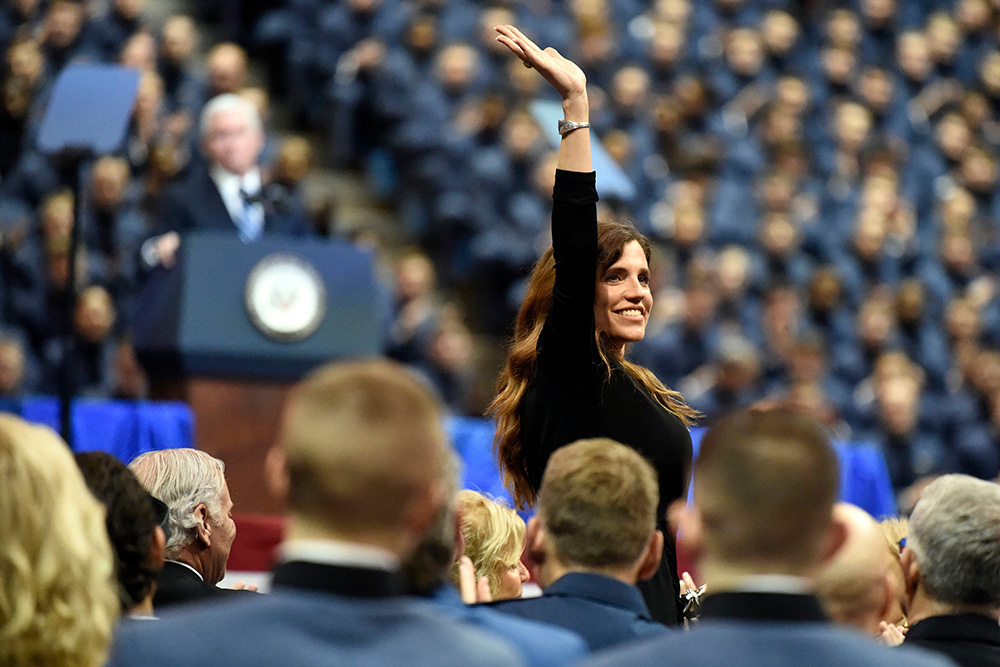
571	84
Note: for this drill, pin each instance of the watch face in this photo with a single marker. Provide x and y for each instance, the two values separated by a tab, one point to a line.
285	298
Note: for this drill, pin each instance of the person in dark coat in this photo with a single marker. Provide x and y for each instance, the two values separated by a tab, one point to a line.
193	486
951	563
230	193
593	538
760	526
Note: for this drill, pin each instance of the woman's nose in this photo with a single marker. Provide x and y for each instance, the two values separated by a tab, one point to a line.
523	571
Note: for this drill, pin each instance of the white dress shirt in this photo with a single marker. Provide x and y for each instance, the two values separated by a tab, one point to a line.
230	185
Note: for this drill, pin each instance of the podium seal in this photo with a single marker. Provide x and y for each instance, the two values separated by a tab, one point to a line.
285	298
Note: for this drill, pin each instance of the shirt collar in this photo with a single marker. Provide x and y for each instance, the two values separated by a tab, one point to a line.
177	562
228	182
774	583
336	552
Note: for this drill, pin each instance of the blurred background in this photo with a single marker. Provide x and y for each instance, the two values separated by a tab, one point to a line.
819	180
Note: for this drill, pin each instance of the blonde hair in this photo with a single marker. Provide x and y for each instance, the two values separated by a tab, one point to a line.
58	594
494	536
598	502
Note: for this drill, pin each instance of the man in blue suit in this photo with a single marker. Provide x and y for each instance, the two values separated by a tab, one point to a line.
428	574
760	527
593	538
228	194
359	459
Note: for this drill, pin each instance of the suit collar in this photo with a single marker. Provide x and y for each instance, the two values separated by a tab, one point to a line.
601	589
969	627
182	569
763	607
339	580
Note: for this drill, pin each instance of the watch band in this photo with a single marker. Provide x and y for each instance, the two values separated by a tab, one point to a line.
567	126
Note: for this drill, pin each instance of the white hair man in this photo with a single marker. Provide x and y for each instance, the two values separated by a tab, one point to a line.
951	564
359	460
228	193
193	486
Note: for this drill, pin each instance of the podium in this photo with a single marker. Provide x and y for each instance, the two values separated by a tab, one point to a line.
230	327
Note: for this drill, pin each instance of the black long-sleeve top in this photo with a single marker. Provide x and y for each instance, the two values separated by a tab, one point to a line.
571	395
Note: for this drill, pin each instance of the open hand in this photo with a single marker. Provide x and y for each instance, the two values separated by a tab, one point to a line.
562	74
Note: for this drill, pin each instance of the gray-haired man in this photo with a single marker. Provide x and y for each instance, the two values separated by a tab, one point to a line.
951	563
193	486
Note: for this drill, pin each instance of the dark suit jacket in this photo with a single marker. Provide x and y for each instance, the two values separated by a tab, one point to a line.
968	639
315	615
602	610
765	630
178	585
195	203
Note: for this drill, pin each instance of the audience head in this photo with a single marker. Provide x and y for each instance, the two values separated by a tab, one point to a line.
94	315
63	23
764	487
857	587
110	179
494	541
952	556
596	513
132	525
139	52
232	134
180	37
227	68
193	486
12	364
58	603
360	456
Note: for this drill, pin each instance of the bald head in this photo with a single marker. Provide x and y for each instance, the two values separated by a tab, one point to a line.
855	587
363	443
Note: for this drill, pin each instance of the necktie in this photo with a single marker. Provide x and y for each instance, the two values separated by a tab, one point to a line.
248	222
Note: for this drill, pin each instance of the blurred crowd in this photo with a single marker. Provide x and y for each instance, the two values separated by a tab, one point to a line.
818	180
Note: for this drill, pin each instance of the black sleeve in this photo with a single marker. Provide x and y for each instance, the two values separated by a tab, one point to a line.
567	346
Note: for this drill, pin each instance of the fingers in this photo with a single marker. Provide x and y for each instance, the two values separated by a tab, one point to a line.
688	581
516	41
512	45
467	580
483	593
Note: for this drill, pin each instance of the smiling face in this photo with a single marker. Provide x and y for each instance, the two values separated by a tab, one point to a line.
623	300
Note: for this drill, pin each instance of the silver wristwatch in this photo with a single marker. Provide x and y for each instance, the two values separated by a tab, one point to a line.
567	126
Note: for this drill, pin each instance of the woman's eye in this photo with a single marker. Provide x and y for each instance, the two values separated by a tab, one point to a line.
644	279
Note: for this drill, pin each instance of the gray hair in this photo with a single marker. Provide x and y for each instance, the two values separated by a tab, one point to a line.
955	537
229	102
183	479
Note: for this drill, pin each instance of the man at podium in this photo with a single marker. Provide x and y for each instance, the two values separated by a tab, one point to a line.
227	193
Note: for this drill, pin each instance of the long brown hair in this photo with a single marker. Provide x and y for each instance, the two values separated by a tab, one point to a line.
522	352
